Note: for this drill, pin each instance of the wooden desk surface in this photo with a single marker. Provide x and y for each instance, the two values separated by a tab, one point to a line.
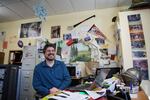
141	96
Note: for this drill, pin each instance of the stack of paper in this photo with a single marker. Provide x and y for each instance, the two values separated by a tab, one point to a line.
66	95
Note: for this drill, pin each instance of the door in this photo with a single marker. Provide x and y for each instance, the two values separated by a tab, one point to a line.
2	55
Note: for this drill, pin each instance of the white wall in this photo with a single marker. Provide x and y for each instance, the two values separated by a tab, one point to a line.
102	20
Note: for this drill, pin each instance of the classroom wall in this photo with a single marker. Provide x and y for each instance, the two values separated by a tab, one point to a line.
102	20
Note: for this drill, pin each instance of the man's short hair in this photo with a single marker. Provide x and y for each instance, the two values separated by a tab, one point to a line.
49	45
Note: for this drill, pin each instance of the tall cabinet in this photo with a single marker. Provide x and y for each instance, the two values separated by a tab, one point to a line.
28	63
135	40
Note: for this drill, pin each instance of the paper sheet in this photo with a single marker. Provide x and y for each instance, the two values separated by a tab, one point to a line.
69	96
96	94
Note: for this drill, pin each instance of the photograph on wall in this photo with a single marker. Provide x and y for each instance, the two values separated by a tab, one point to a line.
133	18
135	28
139	54
80	52
138	45
143	66
136	37
136	32
67	36
100	41
32	29
55	31
104	51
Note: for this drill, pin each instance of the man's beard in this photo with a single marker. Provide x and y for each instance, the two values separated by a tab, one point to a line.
50	59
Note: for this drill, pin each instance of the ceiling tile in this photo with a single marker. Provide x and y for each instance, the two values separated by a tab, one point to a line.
101	4
61	6
80	5
125	2
21	9
7	15
9	1
45	3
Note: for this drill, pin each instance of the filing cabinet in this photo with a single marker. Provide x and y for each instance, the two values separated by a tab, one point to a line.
28	64
26	89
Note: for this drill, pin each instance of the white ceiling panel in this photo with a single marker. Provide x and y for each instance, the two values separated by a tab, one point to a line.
32	3
21	9
101	4
124	2
61	6
7	15
9	1
80	5
48	7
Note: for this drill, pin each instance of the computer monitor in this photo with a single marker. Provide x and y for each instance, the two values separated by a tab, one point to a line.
104	73
72	70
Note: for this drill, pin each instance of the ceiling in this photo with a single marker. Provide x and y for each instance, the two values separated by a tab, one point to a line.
11	10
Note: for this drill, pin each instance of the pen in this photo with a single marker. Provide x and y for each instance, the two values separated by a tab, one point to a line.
100	93
60	96
66	93
51	99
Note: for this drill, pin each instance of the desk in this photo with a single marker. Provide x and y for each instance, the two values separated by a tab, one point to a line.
141	95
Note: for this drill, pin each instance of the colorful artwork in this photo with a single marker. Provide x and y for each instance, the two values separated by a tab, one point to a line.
136	32
139	54
67	36
30	30
143	66
100	41
138	44
55	32
133	18
80	52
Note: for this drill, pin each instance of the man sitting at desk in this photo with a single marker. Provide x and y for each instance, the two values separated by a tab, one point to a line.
50	75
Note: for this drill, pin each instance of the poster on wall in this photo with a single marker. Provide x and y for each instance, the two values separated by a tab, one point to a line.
143	66
32	29
100	41
80	52
139	54
67	36
55	32
138	44
136	32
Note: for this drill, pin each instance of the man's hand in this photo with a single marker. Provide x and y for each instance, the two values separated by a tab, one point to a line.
53	90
